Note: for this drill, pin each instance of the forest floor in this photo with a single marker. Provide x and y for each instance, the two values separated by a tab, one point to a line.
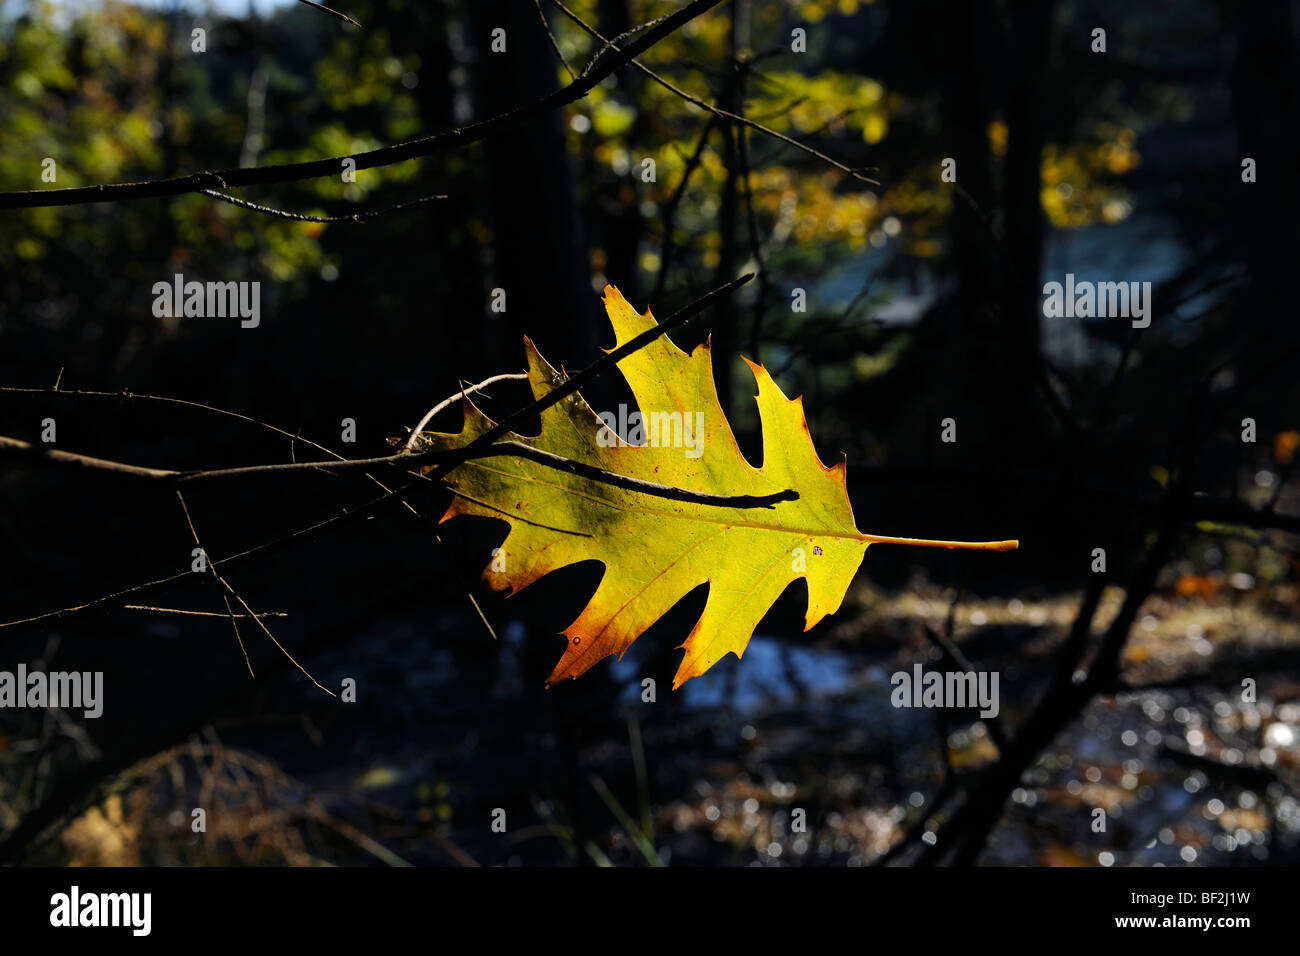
794	756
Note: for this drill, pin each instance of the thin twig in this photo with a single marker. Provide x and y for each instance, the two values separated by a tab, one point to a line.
482	617
128	395
181	612
239	638
428	416
148	586
668	246
555	44
212	566
696	101
334	13
302	217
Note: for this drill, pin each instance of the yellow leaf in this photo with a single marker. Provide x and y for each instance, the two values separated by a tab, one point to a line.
655	549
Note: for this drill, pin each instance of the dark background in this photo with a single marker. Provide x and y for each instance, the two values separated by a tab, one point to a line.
924	303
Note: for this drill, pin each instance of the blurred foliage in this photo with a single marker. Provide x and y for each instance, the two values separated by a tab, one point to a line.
113	93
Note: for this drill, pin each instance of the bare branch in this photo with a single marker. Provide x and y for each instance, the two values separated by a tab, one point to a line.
239	638
18	446
484	446
696	101
428	416
180	612
598	367
668	245
302	217
496	449
115	597
212	566
555	44
334	13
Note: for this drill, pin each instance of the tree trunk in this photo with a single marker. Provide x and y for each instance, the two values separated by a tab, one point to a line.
538	240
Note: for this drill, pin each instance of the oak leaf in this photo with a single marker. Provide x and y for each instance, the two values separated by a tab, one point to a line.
655	549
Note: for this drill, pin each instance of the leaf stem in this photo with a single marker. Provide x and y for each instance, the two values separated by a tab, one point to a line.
932	543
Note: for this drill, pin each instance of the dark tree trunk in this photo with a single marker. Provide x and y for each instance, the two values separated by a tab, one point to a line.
619	214
538	241
965	120
725	327
1266	90
1011	382
1031	32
